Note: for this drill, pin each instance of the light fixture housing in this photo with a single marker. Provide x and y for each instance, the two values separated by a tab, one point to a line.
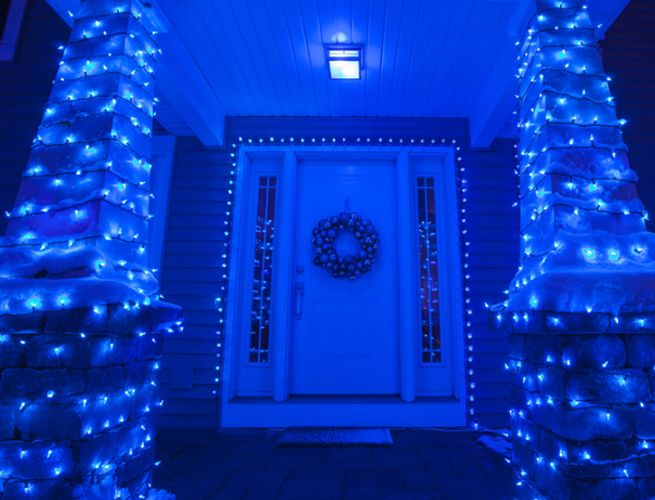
345	61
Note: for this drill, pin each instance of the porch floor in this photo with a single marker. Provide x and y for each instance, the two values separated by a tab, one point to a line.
204	464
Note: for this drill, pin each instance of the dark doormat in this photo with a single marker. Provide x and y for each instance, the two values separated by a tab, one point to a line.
335	437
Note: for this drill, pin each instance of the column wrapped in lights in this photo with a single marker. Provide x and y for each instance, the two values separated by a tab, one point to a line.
580	308
80	319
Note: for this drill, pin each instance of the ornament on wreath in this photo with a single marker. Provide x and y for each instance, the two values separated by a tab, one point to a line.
346	266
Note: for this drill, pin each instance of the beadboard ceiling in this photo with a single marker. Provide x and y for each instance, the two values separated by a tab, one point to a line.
422	58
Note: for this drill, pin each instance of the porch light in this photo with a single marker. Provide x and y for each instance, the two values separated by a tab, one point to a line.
345	63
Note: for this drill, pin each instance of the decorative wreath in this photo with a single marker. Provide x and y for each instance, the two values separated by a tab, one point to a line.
347	266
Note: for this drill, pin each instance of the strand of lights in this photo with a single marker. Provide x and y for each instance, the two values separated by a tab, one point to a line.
221	299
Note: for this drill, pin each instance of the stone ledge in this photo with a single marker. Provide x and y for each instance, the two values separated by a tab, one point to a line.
539	322
107	319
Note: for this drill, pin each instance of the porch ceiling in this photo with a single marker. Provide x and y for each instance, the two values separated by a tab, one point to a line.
423	58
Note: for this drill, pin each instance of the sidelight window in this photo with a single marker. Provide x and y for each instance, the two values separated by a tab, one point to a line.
260	320
428	273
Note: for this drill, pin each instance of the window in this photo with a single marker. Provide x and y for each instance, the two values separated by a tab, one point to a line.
260	311
428	270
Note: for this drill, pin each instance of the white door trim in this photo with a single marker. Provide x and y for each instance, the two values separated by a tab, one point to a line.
270	411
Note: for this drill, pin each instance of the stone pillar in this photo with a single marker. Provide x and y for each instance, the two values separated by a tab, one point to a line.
580	310
80	320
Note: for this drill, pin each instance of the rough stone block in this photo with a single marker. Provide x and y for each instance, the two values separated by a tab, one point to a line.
527	490
646	487
550	445
147	349
550	478
569	323
107	411
138	467
549	380
600	450
138	373
516	346
50	420
19	382
99	451
11	352
47	488
541	348
8	411
42	460
109	378
640	350
610	386
143	398
594	351
584	423
635	323
67	320
21	322
48	351
600	489
522	457
643	420
113	350
121	320
636	467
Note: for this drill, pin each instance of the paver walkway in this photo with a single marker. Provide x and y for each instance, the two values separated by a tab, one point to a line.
203	464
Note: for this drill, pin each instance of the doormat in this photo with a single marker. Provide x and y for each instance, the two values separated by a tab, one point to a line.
335	437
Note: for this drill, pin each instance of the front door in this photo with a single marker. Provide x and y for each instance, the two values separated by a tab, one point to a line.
345	334
308	348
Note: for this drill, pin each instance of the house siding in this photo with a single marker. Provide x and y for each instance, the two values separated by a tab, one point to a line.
192	273
25	85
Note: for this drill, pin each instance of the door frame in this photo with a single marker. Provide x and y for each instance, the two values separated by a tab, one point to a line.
236	412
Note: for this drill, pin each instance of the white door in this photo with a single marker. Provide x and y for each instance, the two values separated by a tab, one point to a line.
299	336
345	332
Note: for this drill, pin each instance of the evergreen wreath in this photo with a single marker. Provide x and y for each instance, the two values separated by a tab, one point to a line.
346	266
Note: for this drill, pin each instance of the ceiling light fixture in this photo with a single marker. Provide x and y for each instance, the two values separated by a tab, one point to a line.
345	62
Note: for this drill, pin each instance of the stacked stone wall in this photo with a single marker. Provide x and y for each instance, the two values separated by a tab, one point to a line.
583	412
77	394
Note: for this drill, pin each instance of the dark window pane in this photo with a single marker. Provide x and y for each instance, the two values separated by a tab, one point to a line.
260	310
428	271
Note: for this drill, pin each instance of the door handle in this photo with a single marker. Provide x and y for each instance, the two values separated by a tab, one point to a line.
300	291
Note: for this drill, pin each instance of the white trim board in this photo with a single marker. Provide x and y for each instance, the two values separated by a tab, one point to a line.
378	412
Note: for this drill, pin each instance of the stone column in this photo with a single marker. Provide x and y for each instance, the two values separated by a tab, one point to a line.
80	320
580	308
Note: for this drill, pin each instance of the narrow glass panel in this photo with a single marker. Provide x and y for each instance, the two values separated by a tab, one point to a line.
428	274
260	311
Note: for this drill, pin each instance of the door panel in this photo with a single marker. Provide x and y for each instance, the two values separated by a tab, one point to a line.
345	340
